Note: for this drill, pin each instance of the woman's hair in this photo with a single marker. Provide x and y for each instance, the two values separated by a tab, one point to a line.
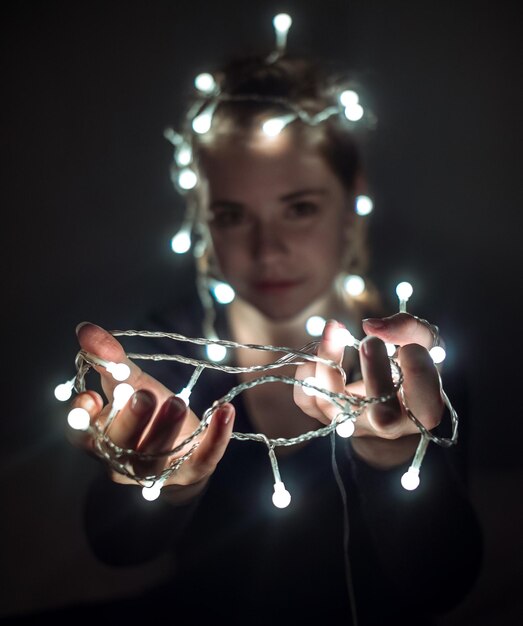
252	88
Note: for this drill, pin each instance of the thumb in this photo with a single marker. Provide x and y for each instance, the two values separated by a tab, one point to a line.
101	344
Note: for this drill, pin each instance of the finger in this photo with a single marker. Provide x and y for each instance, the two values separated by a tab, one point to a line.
305	401
213	445
421	385
129	425
400	329
385	417
161	436
91	402
100	343
327	377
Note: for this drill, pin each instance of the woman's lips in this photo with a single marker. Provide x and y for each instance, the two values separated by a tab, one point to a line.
275	285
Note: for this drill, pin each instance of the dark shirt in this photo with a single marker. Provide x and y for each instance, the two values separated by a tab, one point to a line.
240	560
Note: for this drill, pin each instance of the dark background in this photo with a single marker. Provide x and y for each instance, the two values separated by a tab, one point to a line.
88	211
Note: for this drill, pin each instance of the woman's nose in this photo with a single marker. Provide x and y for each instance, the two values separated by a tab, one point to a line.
268	241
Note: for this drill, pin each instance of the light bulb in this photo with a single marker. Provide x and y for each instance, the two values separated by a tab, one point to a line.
216	352
391	348
78	419
152	492
354	285
185	394
205	82
183	154
282	22
273	126
349	98
343	337
410	479
281	497
345	429
181	242
121	393
404	290
120	371
364	205
63	391
201	124
223	292
187	179
438	354
315	325
309	391
354	112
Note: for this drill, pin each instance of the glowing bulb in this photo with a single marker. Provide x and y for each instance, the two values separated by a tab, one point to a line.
345	429
121	394
315	325
63	391
410	480
216	352
343	337
349	98
181	242
78	419
152	492
354	285
223	293
201	124
185	394
120	371
438	354
308	391
187	179
364	205
354	112
183	154
391	348
404	290
281	497
273	126
282	22
205	83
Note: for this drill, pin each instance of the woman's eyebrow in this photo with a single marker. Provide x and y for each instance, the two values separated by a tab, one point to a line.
313	191
225	204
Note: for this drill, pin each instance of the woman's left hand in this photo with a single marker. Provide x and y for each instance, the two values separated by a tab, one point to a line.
382	420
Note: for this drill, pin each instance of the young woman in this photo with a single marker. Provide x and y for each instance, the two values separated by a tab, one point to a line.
276	220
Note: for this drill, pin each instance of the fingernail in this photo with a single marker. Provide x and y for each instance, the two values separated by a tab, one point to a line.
142	402
176	407
374	323
225	413
77	329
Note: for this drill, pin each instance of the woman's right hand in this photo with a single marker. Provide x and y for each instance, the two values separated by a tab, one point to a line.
153	421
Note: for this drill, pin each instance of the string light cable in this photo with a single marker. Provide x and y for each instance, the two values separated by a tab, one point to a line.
349	406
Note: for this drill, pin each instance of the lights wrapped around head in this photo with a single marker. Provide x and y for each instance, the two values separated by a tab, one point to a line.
345	105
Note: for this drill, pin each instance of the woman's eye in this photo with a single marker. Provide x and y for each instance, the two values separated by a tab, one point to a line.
227	218
302	209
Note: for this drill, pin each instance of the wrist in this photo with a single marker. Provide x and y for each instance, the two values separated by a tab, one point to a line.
179	495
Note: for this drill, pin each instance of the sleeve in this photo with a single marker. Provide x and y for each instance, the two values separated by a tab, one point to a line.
428	541
122	528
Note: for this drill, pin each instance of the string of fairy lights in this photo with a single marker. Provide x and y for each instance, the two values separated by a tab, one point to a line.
350	406
212	291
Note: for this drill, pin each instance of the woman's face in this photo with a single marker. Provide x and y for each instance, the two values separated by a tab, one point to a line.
278	218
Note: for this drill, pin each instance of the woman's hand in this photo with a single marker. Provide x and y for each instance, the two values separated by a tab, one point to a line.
153	421
384	433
